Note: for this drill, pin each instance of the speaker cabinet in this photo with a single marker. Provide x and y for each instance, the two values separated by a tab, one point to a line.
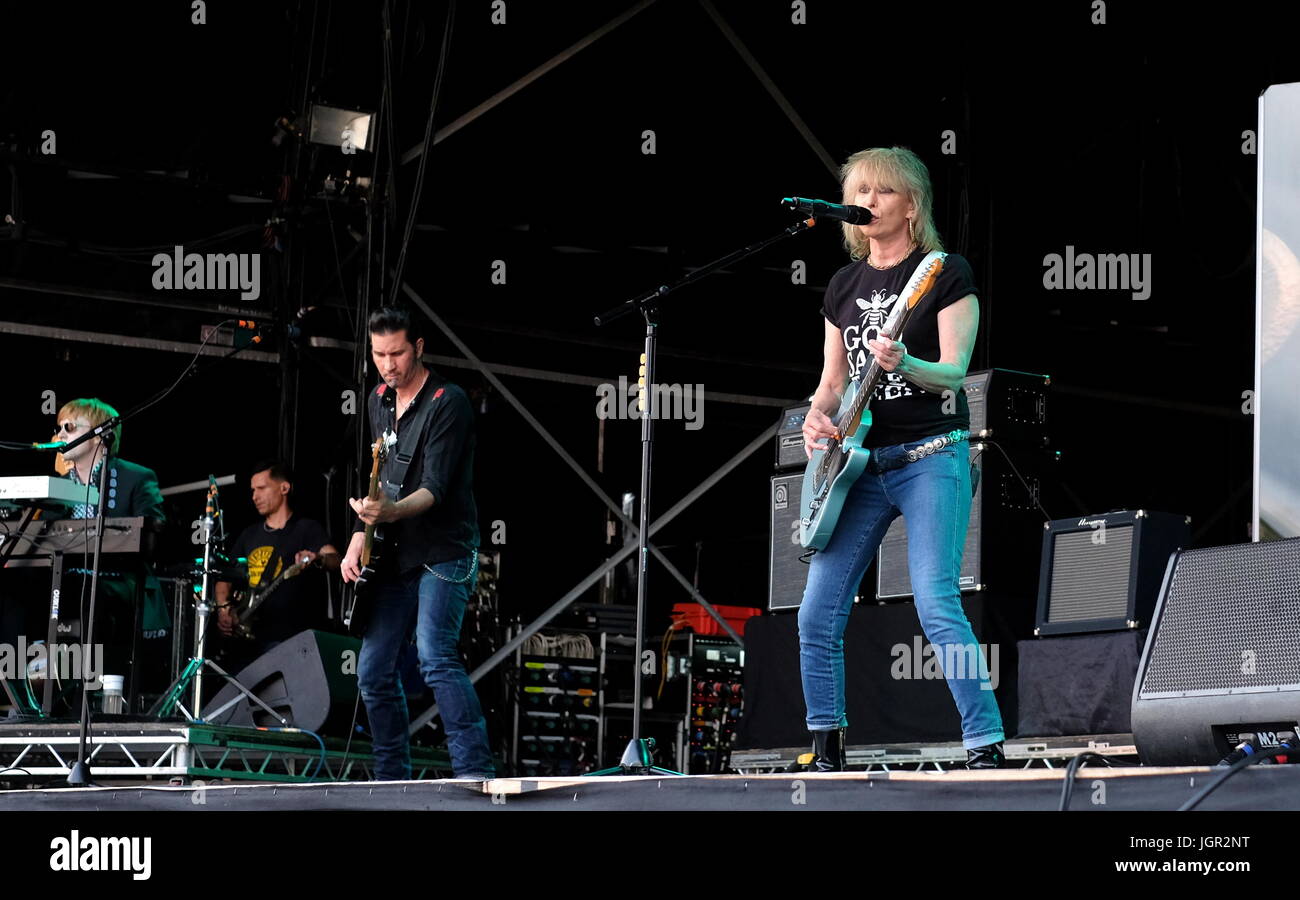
1003	529
1102	573
302	679
787	575
1221	658
1011	408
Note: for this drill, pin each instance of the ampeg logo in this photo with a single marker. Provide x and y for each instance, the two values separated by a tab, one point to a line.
103	854
1092	523
781	499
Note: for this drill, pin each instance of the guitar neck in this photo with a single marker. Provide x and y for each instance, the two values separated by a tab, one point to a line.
373	494
874	374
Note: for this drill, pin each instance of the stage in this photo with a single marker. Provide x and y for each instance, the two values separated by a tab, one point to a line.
1096	789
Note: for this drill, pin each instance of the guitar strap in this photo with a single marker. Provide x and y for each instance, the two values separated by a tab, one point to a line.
410	437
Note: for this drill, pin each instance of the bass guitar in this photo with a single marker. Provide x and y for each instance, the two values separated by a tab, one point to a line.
247	602
831	472
358	596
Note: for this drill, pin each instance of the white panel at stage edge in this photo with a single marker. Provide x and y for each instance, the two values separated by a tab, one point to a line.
1277	316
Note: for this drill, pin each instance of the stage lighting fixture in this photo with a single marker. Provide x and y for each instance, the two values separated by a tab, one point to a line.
332	126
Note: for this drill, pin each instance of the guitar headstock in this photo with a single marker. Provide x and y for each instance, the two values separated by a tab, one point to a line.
925	281
380	448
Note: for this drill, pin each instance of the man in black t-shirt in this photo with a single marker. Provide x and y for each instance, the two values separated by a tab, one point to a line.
429	553
919	465
273	546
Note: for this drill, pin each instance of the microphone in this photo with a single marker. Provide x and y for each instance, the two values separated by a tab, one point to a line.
50	445
821	209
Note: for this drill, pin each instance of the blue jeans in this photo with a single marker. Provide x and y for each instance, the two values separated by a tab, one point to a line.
934	495
431	600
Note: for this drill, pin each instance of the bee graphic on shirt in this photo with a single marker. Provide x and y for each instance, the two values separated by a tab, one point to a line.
875	314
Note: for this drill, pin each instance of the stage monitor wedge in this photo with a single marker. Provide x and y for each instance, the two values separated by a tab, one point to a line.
1221	657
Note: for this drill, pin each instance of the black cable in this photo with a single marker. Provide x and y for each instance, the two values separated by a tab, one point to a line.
1257	757
427	152
352	729
1024	484
1072	771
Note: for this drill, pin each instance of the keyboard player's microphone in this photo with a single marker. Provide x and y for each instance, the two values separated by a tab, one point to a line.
50	445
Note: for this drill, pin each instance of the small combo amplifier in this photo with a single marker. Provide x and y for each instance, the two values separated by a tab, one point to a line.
1220	664
787	574
789	438
1102	573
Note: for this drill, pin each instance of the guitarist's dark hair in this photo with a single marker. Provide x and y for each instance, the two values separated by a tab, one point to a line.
279	470
392	319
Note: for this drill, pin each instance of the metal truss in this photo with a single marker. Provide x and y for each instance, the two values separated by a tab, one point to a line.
153	750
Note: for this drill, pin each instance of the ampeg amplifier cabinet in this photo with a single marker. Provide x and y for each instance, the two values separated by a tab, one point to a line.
1220	661
1001	534
1101	573
787	575
1011	408
789	438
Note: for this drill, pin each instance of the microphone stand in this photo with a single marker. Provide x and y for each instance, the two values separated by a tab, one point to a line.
638	757
79	775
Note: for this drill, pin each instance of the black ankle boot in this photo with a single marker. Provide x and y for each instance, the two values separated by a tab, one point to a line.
988	757
828	751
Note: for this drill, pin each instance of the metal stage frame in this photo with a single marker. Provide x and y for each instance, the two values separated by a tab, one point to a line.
1021	753
145	751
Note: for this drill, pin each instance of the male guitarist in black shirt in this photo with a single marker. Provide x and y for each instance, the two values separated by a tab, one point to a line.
427	530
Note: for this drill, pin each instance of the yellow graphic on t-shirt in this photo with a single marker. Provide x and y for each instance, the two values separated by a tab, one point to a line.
257	560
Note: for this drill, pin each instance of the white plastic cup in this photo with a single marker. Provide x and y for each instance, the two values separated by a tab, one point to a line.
113	701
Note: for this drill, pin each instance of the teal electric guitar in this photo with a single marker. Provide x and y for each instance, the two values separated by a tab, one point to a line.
831	472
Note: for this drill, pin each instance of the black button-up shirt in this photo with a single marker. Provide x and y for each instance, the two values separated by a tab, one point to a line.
442	461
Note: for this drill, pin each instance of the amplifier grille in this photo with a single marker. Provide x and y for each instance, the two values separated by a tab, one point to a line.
1090	581
787	575
1231	621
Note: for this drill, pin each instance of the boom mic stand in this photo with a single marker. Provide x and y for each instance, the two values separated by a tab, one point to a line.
638	757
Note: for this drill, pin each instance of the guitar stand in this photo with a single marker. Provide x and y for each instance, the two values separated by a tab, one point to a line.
172	699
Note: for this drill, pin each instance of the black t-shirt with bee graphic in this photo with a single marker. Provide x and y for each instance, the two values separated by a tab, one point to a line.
859	300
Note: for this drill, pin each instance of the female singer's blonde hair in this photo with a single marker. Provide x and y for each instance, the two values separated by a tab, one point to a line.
897	168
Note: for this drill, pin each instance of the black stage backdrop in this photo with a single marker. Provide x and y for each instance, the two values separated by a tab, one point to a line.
1044	129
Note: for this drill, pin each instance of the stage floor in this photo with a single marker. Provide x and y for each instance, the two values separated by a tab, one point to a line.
1097	788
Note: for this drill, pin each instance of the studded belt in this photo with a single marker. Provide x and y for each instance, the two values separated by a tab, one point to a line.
896	456
935	444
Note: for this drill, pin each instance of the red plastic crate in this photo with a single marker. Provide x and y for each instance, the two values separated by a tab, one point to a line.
697	618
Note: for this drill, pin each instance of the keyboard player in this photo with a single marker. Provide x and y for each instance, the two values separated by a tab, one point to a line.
129	601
